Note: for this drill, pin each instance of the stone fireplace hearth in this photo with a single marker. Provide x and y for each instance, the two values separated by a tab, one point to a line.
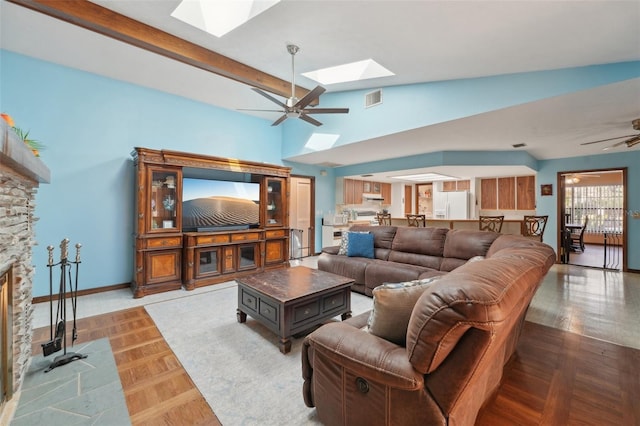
20	175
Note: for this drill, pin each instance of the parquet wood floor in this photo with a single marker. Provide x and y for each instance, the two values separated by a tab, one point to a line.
556	377
157	389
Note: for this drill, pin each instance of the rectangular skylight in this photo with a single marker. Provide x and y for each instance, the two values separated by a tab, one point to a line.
321	141
361	70
220	16
424	177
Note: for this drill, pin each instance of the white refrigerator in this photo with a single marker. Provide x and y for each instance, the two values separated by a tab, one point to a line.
451	205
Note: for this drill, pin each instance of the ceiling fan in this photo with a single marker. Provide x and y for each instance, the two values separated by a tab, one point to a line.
631	141
294	107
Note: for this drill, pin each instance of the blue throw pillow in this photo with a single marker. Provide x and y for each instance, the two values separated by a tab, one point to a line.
360	245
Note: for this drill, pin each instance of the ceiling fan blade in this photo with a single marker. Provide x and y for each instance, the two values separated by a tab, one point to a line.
268	96
280	120
609	139
326	110
308	119
309	97
259	110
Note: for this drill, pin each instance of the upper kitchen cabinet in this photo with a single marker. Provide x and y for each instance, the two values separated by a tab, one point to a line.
508	193
385	192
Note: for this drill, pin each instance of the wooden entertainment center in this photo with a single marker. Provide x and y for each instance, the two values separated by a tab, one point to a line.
167	257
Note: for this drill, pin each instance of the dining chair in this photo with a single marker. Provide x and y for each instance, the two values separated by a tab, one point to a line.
533	226
383	218
417	220
577	236
491	223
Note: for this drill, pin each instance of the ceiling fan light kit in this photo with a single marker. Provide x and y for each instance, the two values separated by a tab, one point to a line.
297	108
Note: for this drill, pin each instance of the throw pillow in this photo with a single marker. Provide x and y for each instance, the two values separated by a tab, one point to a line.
344	243
360	245
392	307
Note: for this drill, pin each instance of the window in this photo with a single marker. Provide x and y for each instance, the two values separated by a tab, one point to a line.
603	205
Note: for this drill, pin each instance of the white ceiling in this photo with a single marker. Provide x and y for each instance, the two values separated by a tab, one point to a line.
420	41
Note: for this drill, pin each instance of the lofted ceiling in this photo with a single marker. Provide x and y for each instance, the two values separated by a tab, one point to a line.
420	41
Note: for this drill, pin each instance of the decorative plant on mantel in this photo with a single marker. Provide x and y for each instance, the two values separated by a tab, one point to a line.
33	144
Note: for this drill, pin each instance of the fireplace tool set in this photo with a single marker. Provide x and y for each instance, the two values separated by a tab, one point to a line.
58	341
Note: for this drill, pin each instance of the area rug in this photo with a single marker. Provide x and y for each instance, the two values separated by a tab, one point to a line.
238	367
83	392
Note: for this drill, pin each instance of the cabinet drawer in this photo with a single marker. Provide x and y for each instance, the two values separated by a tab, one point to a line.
268	312
305	312
249	301
334	301
276	233
245	237
164	242
213	239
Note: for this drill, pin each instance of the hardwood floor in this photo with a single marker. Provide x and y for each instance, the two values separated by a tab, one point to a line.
556	377
562	378
157	389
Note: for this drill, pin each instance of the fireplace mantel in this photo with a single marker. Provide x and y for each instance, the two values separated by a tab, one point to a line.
15	154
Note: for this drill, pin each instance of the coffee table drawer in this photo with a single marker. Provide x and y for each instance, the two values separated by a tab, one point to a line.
334	301
249	301
305	312
268	311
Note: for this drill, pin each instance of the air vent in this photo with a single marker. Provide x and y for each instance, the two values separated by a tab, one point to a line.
373	98
519	145
329	164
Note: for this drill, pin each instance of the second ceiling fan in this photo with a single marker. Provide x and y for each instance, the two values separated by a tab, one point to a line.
629	140
297	108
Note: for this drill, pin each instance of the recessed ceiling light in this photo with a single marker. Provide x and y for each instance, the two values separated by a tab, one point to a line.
221	16
361	70
424	177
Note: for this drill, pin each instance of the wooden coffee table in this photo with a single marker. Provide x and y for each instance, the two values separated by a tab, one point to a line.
290	300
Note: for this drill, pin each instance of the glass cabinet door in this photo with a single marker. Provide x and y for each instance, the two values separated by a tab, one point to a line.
164	202
275	200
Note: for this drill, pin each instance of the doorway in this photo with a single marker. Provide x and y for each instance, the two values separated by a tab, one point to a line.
592	219
302	216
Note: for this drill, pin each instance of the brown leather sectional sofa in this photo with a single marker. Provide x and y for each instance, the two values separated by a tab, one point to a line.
462	331
405	253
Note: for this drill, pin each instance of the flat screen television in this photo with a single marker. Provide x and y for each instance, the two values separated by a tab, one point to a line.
216	205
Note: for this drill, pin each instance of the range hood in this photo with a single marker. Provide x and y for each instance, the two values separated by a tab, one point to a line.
374	197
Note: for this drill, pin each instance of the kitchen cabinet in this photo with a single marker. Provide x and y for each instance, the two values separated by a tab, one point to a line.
489	194
353	190
508	193
385	192
456	185
526	193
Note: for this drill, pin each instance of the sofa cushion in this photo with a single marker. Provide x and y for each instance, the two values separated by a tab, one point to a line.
380	272
352	267
427	241
382	235
465	244
392	306
360	245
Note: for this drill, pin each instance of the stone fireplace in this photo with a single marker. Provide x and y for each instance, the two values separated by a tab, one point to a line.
20	175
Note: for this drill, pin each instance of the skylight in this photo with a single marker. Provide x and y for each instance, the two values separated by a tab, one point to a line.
361	70
220	16
321	141
424	177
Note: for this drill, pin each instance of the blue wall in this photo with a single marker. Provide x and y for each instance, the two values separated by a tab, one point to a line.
90	124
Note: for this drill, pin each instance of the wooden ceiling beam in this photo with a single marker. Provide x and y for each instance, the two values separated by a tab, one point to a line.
120	27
